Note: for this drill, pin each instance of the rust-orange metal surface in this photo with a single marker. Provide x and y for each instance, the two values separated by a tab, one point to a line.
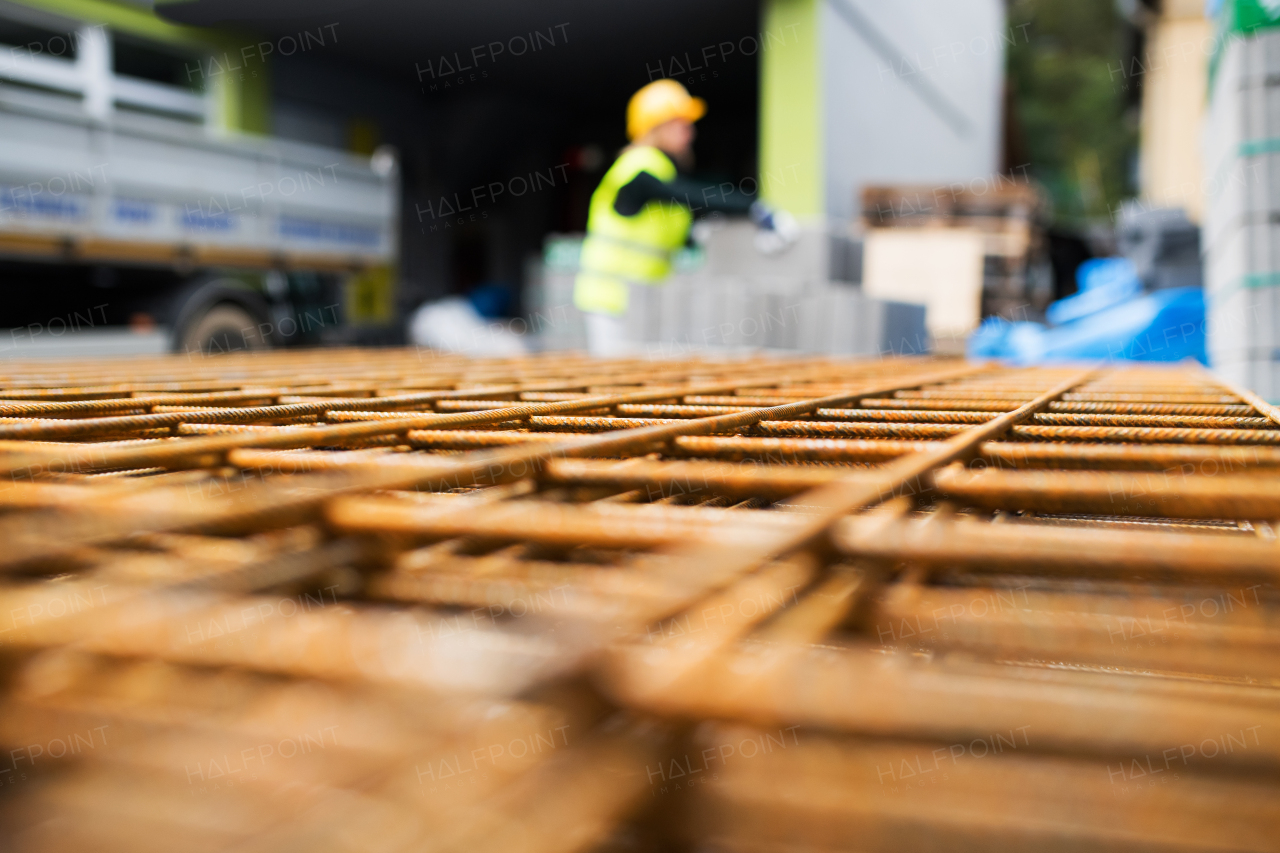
392	600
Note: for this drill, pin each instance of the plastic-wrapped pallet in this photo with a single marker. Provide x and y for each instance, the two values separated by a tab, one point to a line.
553	320
1242	213
673	307
734	298
743	312
841	320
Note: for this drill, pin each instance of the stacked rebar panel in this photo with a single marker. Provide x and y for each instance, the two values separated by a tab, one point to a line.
389	600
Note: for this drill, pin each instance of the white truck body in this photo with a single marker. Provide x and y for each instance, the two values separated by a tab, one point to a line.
134	188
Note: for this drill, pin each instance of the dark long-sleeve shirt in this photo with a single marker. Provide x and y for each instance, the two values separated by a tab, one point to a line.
700	198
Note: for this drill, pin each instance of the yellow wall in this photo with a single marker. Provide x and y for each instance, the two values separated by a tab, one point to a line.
791	167
1173	105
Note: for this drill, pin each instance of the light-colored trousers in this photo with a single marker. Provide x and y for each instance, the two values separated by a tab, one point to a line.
608	336
614	336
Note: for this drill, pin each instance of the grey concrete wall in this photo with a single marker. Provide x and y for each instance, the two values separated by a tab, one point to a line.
912	93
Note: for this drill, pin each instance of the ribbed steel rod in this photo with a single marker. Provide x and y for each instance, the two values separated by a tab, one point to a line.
1034	548
1147	435
864	568
1171	494
182	451
696	568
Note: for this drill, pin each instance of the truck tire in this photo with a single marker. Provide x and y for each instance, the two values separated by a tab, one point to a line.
224	327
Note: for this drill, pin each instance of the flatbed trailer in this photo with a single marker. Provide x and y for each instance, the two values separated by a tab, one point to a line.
230	241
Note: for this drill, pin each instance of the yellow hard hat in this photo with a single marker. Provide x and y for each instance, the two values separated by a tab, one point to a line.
658	103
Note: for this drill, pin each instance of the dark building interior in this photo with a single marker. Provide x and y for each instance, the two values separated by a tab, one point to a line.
505	115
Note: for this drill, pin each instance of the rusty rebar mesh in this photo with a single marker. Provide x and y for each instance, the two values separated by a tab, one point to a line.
394	600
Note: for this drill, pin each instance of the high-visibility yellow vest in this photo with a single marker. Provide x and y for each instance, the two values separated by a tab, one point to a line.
628	249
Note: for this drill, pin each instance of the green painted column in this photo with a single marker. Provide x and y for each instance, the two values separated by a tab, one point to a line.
126	17
791	133
244	97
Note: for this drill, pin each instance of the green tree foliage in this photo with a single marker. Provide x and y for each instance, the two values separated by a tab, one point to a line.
1075	102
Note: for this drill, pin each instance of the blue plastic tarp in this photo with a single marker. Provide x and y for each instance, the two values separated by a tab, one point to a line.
1102	283
1167	325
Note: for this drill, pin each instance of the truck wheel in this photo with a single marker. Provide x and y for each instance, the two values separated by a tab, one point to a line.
223	328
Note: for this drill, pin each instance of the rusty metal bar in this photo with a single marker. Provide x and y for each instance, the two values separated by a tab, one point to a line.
1032	548
1182	421
894	552
1078	407
1165	494
694	569
1204	459
868	430
1148	435
183	451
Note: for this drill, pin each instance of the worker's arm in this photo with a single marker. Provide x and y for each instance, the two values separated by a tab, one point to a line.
700	198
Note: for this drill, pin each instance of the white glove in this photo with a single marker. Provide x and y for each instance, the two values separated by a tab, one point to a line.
702	231
777	230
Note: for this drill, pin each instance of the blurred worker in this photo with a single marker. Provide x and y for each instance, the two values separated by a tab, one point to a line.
642	212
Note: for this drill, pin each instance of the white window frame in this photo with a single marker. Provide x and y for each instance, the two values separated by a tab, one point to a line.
90	76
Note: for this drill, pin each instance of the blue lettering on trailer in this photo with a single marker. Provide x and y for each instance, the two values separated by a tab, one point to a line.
198	220
24	202
329	232
133	211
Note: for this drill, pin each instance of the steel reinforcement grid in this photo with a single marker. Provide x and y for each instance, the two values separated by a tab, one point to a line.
398	601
